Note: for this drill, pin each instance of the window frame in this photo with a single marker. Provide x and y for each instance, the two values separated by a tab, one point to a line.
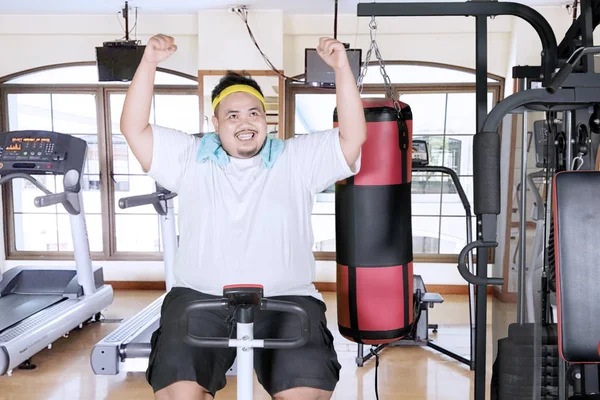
496	88
107	193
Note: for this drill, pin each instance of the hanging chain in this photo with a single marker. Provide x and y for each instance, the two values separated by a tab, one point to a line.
389	89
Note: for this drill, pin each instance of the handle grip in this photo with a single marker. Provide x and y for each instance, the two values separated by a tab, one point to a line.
285	306
50	199
203	305
566	69
559	78
464	271
135	201
266	304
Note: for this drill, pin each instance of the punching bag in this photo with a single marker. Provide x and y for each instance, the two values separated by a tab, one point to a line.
374	231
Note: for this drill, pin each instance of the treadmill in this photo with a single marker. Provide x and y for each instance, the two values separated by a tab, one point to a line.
131	339
39	305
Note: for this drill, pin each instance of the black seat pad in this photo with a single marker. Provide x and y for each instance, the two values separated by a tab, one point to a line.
576	208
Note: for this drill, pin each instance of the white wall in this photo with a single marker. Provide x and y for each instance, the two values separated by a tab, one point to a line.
444	40
218	40
224	42
33	41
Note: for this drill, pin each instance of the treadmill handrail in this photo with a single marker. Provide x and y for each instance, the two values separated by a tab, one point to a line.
50	198
22	175
539	201
153	199
445	170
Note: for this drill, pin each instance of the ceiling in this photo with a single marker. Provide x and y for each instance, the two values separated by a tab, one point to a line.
192	6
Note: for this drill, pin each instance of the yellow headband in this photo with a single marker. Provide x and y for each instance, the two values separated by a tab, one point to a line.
238	88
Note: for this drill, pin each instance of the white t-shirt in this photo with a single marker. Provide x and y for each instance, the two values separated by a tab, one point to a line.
242	223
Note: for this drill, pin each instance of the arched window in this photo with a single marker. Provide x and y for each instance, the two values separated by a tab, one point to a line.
68	98
442	101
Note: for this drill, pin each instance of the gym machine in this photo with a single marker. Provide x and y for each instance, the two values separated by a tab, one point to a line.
573	90
132	338
546	356
487	146
39	305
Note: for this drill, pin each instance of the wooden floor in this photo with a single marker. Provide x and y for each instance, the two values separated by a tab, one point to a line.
406	373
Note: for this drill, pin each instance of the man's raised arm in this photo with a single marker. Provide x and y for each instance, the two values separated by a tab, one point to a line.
136	109
351	117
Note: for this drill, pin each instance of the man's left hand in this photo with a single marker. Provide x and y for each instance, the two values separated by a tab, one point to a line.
333	53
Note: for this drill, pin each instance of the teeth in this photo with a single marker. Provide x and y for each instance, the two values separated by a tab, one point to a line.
245	136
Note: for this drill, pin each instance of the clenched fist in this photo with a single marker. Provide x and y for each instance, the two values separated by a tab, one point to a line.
333	53
159	48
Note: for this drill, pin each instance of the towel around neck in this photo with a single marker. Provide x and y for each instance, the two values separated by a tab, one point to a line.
211	149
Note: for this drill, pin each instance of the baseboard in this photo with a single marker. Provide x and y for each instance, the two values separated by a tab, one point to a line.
137	285
452	289
321	287
325	286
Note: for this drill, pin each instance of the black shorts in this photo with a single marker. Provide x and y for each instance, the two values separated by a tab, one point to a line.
313	365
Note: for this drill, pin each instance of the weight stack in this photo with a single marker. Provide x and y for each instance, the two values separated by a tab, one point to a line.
515	365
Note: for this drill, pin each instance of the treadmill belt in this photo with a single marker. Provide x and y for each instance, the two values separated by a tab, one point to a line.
16	307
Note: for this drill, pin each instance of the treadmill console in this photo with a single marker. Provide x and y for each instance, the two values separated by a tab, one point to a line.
41	152
420	153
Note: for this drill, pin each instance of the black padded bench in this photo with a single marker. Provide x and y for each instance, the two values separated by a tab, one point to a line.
576	208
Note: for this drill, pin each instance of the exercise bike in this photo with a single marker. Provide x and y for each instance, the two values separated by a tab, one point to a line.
241	301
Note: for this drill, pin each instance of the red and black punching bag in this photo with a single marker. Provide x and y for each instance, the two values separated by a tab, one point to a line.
374	231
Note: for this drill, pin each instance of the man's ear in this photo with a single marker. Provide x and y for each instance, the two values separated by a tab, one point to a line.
215	122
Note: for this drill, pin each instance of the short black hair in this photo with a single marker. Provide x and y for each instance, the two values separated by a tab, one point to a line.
234	78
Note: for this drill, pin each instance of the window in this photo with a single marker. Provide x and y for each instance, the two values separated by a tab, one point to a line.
137	229
47	229
442	101
69	99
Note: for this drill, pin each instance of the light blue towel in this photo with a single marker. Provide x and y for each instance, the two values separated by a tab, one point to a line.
211	150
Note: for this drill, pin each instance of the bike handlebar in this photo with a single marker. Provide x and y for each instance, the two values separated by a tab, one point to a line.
285	306
267	305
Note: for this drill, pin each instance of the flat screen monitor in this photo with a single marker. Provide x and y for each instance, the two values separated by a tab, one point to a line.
118	63
318	73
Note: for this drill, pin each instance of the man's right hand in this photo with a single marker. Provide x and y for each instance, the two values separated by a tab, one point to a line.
159	48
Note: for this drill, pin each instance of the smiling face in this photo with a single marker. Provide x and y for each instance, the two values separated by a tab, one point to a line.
241	123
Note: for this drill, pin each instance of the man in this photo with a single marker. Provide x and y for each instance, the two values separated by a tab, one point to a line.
245	204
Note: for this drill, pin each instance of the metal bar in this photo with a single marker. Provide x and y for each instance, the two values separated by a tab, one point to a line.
481	71
448	353
587	34
590	79
575	31
472	315
568	125
473	8
529	97
482	253
245	361
465	202
445	170
523	219
562	380
135	350
360	355
366	358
